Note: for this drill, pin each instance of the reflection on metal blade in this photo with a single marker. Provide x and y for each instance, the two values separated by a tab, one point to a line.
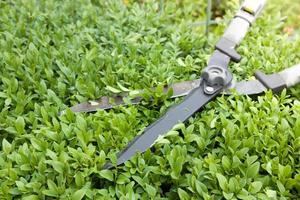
179	89
103	103
252	87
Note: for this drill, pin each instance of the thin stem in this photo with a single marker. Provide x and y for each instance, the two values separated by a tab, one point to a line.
208	17
161	6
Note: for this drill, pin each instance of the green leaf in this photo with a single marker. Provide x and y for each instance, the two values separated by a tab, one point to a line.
79	179
122	179
228	195
200	188
37	144
79	194
50	193
222	181
280	187
124	89
31	197
135	93
179	126
190	129
161	140
233	185
130	195
243	194
177	158
251	159
171	133
3	95
52	185
255	187
297	128
226	162
112	89
180	62
20	124
269	167
150	190
159	90
107	174
53	190
6	146
26	167
139	180
183	195
81	123
69	114
252	170
58	166
272	194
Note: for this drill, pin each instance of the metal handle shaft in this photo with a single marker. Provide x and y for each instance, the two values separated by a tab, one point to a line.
291	75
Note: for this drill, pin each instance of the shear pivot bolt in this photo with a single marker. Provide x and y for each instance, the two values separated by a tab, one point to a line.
214	75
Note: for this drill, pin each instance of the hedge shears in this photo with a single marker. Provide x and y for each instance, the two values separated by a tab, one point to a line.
216	79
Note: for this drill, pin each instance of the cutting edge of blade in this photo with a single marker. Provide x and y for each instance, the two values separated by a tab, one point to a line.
249	87
179	89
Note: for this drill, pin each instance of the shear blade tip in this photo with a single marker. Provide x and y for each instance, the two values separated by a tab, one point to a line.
108	166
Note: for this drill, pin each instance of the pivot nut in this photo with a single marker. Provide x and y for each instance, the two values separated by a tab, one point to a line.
214	75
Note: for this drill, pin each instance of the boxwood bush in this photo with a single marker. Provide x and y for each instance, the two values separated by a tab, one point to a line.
55	54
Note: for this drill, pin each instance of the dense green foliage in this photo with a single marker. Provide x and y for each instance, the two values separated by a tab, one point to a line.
58	53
